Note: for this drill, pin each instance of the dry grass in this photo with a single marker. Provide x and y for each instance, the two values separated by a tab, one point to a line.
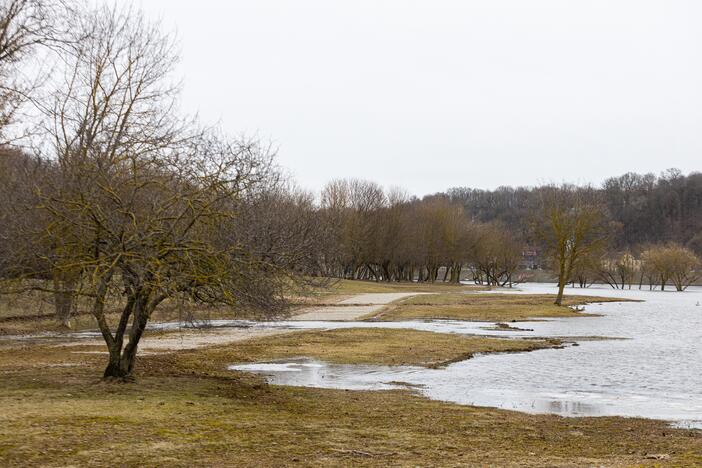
177	417
33	312
85	321
360	346
484	307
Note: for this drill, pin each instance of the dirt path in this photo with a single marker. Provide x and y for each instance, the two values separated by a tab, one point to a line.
348	309
352	308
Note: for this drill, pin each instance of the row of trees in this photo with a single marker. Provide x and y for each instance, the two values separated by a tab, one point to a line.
654	265
389	236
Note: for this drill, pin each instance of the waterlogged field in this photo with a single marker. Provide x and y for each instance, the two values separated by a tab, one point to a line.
200	397
650	367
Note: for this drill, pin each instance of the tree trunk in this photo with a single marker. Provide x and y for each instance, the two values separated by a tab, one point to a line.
561	287
64	297
565	271
121	363
118	368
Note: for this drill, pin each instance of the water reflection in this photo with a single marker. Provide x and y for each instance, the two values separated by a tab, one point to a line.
656	373
305	372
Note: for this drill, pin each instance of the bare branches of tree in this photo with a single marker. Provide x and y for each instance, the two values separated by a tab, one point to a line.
144	206
671	263
393	237
572	226
24	26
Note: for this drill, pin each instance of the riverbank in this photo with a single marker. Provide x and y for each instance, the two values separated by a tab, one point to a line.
376	346
187	409
58	412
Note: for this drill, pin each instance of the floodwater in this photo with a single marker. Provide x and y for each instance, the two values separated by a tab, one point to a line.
650	367
654	372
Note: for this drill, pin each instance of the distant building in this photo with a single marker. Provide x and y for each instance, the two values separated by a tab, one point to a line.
530	259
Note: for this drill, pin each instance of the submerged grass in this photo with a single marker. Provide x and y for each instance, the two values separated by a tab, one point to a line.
484	307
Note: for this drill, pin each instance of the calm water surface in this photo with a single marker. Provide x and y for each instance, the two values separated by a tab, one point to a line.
656	372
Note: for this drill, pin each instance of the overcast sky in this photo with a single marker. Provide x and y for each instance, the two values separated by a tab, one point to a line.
435	93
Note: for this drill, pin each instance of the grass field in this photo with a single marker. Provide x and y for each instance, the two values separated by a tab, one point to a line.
362	346
186	410
484	307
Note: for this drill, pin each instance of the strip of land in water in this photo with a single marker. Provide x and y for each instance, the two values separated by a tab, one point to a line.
484	307
380	346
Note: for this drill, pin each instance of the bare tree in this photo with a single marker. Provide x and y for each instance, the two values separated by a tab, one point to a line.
20	223
495	255
617	270
352	207
136	206
571	225
280	227
24	26
671	263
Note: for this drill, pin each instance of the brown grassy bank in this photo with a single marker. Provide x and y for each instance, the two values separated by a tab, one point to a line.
361	287
360	346
56	412
485	307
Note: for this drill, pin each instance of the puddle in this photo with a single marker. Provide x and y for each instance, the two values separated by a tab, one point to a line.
305	372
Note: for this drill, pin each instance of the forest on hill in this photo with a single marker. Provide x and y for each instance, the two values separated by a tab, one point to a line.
643	208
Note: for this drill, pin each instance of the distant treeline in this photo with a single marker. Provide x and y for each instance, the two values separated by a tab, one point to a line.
389	236
642	208
582	234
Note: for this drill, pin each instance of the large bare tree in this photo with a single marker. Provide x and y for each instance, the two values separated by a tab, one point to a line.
572	226
137	203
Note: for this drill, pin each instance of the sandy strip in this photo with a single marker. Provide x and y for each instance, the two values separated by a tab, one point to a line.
191	339
368	304
349	309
